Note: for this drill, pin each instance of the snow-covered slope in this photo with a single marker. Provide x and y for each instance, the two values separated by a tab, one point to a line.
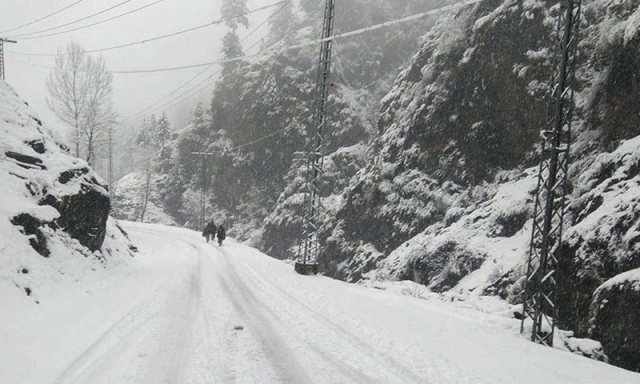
53	208
129	197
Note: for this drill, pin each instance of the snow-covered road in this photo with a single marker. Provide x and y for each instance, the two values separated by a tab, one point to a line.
186	311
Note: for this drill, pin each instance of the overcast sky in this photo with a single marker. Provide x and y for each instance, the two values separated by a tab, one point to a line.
28	63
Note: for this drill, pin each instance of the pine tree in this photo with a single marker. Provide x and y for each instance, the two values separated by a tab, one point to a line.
281	25
162	131
143	138
231	49
235	12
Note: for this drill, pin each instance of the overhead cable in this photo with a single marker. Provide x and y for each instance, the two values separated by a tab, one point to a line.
219	21
96	23
25	35
189	92
215	22
40	19
302	44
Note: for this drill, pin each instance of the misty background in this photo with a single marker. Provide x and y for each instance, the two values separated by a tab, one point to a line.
28	63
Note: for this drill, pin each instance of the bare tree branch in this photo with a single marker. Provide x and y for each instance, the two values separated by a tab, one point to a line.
80	95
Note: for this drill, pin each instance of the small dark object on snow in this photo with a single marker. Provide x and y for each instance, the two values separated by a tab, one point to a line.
238	327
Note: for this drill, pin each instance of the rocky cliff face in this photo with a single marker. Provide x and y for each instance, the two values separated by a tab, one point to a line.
615	318
448	200
46	191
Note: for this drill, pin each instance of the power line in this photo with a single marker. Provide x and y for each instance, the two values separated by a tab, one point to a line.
304	44
97	22
176	100
283	129
157	37
239	58
212	62
188	92
42	18
260	139
72	22
219	21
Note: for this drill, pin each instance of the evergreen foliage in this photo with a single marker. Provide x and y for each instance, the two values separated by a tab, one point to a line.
235	12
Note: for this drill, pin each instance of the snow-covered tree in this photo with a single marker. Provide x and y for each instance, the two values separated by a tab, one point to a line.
231	49
281	26
80	95
99	116
162	131
235	12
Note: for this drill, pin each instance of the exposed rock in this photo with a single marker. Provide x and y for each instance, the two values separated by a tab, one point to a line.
66	176
615	318
31	227
37	145
84	215
54	191
25	161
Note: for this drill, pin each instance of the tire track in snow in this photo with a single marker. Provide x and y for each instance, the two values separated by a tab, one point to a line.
208	358
169	359
354	375
115	338
286	366
403	373
212	365
155	334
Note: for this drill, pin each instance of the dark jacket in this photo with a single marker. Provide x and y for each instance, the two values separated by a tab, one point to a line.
209	229
221	233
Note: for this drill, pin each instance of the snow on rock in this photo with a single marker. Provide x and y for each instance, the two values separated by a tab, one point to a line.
52	205
615	318
478	244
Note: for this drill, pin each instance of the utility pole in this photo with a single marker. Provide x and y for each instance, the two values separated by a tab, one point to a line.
308	250
2	41
539	300
203	193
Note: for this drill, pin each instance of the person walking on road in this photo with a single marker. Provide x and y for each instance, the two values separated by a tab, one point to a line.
221	234
209	231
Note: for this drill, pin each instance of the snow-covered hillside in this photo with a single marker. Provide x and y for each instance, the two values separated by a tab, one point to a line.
131	194
54	223
447	197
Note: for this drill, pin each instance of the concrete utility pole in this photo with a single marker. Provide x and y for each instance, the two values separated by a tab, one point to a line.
308	249
2	41
539	300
